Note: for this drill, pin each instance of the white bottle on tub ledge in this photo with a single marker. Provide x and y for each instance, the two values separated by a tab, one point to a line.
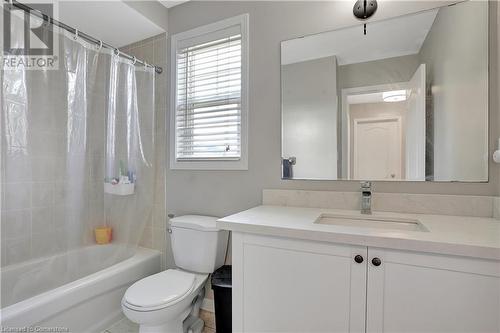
123	187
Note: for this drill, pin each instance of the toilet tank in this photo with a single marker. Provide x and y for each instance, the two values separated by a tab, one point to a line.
197	244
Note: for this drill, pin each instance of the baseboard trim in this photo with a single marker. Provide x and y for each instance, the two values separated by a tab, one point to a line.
208	305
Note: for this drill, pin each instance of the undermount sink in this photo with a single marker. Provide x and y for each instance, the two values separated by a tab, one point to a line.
370	221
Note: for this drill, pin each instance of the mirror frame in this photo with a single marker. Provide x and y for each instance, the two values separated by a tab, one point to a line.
488	96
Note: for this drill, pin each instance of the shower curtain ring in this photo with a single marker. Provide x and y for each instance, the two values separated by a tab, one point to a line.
76	34
135	60
100	45
117	52
46	20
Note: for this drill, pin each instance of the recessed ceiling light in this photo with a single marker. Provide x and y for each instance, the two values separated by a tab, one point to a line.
394	96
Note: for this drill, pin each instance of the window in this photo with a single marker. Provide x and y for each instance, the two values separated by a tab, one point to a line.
209	109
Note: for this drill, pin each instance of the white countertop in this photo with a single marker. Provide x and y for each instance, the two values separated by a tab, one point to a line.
454	235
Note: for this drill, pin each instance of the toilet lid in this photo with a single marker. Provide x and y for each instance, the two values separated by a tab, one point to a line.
160	289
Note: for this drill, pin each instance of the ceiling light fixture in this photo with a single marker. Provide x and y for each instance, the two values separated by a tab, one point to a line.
364	9
394	96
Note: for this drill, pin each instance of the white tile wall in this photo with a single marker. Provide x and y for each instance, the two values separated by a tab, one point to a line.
34	180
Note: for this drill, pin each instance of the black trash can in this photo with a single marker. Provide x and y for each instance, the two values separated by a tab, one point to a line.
222	285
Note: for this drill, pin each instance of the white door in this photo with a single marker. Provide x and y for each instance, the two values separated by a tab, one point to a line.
418	292
377	146
415	129
285	285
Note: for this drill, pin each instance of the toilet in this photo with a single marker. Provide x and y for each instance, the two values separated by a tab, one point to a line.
170	300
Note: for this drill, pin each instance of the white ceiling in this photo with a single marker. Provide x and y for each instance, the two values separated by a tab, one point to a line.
385	39
170	4
113	22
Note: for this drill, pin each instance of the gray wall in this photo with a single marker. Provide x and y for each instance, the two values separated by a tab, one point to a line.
457	66
222	192
310	117
495	81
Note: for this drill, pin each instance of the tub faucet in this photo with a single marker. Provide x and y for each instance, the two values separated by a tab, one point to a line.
366	197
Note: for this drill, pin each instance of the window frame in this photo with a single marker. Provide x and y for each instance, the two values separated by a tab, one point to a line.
219	163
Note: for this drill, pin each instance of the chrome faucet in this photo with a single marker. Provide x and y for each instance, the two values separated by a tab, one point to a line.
366	197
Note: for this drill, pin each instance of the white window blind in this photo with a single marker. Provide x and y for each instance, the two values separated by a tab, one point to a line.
208	101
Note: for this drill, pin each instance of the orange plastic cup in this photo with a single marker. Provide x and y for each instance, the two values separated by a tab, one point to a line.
103	235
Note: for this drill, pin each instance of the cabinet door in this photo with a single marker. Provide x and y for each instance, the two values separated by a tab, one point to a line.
285	285
416	292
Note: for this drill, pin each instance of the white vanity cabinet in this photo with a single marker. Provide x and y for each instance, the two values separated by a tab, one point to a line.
290	285
423	292
286	285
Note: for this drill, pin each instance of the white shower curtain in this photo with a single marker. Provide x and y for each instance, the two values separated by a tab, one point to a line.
64	133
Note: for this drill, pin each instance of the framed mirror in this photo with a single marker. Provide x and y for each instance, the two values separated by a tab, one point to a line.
408	101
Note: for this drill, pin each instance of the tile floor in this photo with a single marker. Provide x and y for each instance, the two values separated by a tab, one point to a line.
209	319
123	326
126	326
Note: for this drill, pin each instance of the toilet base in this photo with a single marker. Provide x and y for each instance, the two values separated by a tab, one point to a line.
190	325
193	325
187	322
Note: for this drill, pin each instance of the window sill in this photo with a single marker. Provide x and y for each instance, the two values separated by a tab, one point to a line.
213	165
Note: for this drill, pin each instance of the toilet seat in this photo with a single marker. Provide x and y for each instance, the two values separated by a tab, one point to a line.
159	291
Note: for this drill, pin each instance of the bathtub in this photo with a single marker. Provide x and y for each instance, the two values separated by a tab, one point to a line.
79	290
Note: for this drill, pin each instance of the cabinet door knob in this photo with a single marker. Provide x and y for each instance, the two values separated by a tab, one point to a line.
376	261
358	258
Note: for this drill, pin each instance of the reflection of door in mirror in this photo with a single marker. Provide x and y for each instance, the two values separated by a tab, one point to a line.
377	148
377	144
376	122
386	130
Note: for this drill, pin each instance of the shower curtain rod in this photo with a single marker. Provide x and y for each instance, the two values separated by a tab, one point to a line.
78	33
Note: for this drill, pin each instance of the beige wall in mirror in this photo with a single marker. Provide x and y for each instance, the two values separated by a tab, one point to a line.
407	101
220	193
